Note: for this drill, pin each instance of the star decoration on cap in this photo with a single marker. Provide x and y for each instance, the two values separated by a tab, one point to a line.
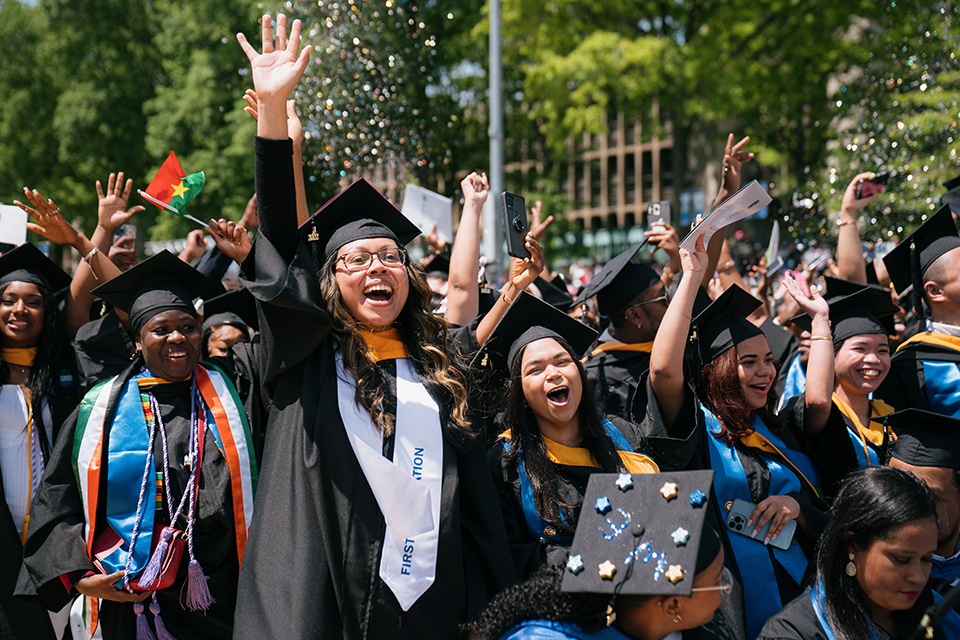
607	569
680	536
674	573
669	490
603	505
575	564
625	481
697	498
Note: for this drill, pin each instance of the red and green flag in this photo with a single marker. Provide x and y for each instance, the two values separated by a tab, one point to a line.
171	189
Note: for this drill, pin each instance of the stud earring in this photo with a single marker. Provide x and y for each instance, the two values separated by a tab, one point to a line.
851	568
678	619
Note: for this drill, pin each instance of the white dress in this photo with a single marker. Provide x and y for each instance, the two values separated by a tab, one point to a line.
21	463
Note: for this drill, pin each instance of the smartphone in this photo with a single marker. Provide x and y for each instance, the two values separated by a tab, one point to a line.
816	262
514	211
871	186
658	214
775	267
737	523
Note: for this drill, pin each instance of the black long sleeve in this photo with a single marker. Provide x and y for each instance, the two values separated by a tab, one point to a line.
277	194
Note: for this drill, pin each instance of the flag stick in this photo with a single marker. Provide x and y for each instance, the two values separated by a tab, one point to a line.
164	205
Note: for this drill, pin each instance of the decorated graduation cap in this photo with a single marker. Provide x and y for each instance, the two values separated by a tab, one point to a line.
237	308
619	282
952	197
724	323
642	534
863	311
908	262
527	320
924	438
26	263
356	213
556	295
159	283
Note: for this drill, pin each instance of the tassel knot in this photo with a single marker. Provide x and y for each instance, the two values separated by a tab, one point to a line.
143	627
198	593
152	571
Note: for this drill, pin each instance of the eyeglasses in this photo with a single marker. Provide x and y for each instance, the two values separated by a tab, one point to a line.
725	584
361	260
665	299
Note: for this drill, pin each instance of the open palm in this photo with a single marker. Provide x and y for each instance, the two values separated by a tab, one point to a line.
277	69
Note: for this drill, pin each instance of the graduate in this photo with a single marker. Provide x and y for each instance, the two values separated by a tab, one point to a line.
554	437
32	408
642	566
928	446
149	492
872	567
635	299
377	515
726	422
228	319
845	439
923	372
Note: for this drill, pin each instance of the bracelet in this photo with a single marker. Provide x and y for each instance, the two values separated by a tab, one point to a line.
87	259
726	266
506	297
830	338
843	223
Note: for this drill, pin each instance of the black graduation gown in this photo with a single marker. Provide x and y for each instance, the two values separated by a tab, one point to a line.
905	385
311	566
685	447
102	349
55	545
530	553
615	379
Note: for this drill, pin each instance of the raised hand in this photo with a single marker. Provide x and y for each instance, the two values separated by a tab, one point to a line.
664	237
695	262
538	228
851	206
294	126
734	157
523	271
50	223
250	219
475	189
231	239
112	206
278	69
195	247
813	305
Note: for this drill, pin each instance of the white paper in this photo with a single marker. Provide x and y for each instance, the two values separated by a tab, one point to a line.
13	224
743	204
773	248
424	207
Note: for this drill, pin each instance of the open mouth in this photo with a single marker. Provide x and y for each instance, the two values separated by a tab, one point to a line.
559	395
869	374
177	356
379	292
760	388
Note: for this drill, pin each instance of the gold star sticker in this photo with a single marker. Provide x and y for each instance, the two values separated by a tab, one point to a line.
179	189
607	569
669	490
674	573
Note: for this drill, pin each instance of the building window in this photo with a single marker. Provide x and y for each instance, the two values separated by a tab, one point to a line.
612	126
629	179
613	181
646	176
596	184
596	223
666	170
629	220
578	191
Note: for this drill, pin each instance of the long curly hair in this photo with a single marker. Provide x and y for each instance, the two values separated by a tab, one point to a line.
525	438
720	390
45	373
427	337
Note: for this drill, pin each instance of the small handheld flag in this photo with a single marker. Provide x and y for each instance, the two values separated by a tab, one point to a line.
171	189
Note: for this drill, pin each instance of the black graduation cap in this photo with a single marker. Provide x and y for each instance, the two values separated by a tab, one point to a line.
157	284
556	296
724	323
356	213
439	267
865	311
924	439
6	247
952	197
908	261
642	534
619	282
26	263
838	288
529	319
237	308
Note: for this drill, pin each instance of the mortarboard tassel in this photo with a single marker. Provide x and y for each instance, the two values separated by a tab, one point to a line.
152	571
143	627
198	593
162	633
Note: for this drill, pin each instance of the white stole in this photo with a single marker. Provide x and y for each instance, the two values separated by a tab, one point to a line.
408	489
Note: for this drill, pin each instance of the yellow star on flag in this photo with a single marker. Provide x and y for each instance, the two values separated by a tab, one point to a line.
179	189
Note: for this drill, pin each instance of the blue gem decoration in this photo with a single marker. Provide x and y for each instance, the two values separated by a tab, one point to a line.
603	505
646	554
697	498
616	529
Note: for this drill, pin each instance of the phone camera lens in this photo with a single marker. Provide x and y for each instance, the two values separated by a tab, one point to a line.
510	201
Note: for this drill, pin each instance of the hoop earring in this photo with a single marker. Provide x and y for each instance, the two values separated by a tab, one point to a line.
851	568
678	619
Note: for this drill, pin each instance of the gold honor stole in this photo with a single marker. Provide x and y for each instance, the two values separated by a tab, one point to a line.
582	457
934	338
870	432
644	347
756	441
229	429
385	345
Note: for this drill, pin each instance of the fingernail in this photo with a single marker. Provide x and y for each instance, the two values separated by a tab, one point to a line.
767	540
754	534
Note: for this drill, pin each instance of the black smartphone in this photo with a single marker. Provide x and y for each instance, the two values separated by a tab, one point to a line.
514	211
871	186
658	214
